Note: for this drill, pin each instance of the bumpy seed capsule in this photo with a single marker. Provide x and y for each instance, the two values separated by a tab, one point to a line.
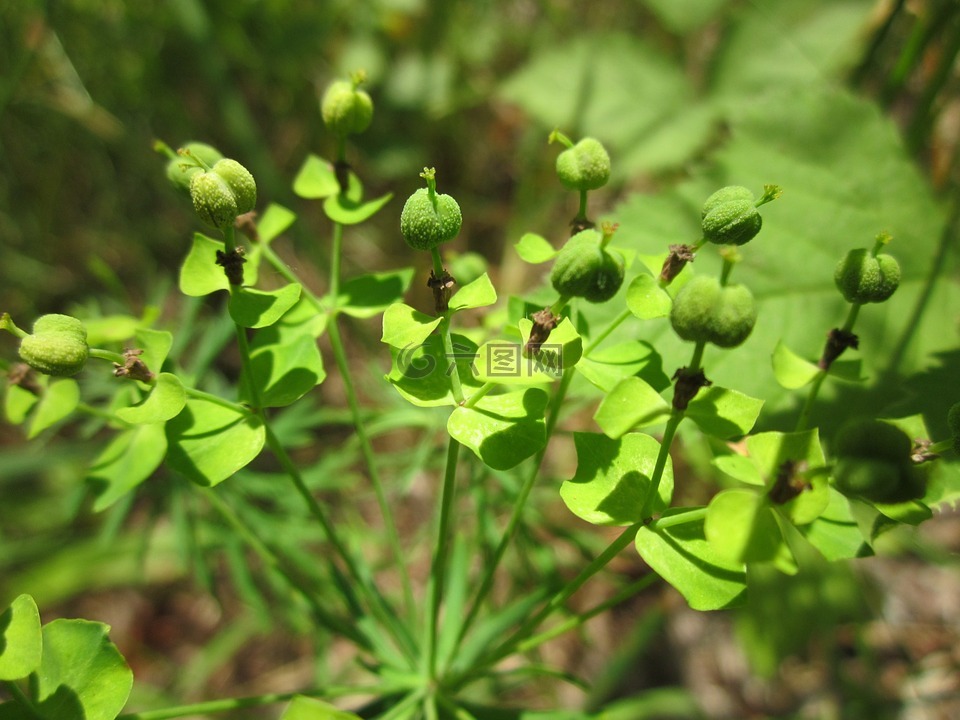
730	216
179	170
58	345
863	278
705	311
585	166
346	110
240	182
429	218
874	463
213	199
584	268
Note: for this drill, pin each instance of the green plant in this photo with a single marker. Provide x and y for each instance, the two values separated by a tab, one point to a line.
501	389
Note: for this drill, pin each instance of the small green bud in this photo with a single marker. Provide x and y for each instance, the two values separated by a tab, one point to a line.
585	268
240	182
213	199
730	216
953	422
58	345
180	171
864	278
705	311
585	166
874	463
429	218
346	110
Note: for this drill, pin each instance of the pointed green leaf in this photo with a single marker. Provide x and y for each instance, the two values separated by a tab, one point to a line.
534	249
200	275
316	179
210	442
307	708
681	555
612	481
165	400
404	327
156	346
646	299
420	372
605	367
128	460
82	675
342	209
252	308
372	294
741	527
59	399
273	222
791	370
20	642
631	404
503	430
284	372
479	293
724	413
739	467
18	403
302	319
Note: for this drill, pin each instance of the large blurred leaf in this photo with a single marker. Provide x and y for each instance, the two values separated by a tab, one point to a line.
59	399
20	642
128	460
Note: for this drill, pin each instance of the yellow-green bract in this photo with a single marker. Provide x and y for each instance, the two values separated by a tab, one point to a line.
58	345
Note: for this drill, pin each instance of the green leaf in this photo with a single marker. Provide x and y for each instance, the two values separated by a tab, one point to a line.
128	460
273	222
631	404
372	294
252	308
301	319
479	293
503	430
534	249
646	299
20	641
405	328
681	555
82	675
741	527
420	372
612	481
724	413
739	467
17	404
306	708
770	450
200	275
504	362
343	209
165	401
156	346
791	370
316	179
836	533
683	16
284	372
59	399
111	329
605	367
210	442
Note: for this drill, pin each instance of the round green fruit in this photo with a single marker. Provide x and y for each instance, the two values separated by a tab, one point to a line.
584	268
864	278
346	110
705	311
58	345
240	182
429	218
213	199
730	216
585	166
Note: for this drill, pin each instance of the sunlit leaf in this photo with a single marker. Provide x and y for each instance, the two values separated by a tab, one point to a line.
632	403
20	641
164	401
503	430
128	460
252	308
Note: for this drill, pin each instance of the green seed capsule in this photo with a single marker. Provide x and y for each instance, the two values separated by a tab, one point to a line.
346	110
863	278
705	311
584	268
429	218
240	182
180	172
730	216
213	199
58	345
585	166
874	463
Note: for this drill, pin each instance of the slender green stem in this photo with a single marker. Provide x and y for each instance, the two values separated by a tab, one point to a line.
108	355
607	331
697	357
226	705
456	385
479	394
582	211
676	417
210	397
942	446
803	422
441	549
681	519
399	710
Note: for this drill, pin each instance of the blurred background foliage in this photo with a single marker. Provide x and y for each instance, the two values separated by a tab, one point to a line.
851	105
